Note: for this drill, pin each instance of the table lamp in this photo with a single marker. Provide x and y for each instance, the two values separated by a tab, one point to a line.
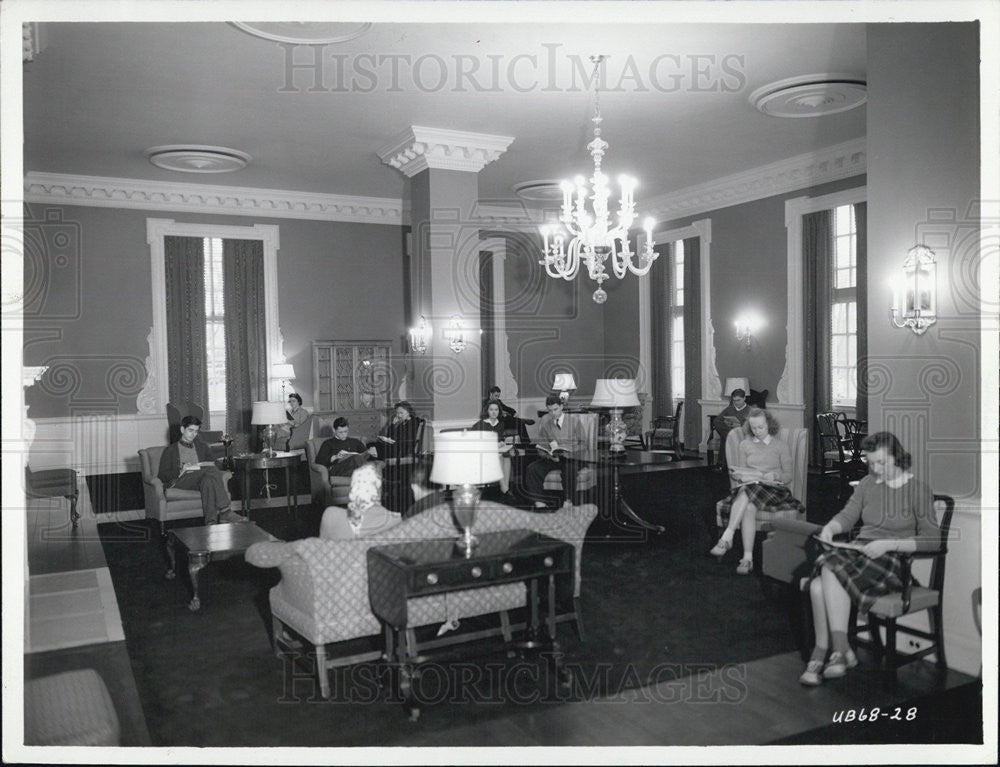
736	383
564	383
466	459
268	414
615	393
285	372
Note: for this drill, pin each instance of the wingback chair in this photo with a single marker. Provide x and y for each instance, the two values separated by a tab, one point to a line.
301	434
177	411
320	480
798	443
586	478
166	504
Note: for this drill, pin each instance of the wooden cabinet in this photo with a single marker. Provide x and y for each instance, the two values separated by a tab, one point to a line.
351	379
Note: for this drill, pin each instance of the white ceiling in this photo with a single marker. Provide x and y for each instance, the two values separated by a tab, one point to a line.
98	95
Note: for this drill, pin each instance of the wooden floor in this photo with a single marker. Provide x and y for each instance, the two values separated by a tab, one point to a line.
753	703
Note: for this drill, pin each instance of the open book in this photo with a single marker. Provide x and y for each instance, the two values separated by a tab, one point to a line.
840	544
555	452
345	454
196	466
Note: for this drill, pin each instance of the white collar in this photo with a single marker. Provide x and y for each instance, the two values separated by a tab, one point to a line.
767	439
741	409
896	483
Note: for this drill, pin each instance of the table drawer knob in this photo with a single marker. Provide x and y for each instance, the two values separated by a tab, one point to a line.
432	578
477	572
508	567
548	561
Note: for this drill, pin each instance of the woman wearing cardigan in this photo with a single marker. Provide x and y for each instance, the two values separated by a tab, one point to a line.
492	420
897	515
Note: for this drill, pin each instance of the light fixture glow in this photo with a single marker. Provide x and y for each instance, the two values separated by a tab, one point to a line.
915	294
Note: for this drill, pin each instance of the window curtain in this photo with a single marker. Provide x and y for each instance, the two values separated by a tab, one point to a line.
184	265
246	336
692	341
861	227
487	320
659	299
817	251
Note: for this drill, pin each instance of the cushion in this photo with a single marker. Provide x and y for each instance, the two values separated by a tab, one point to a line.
69	709
891	605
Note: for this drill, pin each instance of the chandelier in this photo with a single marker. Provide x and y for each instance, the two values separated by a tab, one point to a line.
592	238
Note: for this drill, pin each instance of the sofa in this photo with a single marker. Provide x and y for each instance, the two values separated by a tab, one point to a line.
322	597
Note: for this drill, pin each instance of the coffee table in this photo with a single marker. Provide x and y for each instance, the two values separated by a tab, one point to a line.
208	543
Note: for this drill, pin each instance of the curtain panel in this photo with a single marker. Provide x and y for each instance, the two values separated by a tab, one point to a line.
246	336
693	317
184	271
660	277
817	250
861	227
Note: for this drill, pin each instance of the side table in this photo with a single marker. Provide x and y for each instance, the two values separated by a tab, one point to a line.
401	571
244	464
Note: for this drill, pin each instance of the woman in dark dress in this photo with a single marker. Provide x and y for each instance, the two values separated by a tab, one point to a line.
491	420
398	438
187	464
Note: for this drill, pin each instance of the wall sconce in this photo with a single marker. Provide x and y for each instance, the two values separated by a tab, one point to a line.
746	326
454	334
915	292
420	336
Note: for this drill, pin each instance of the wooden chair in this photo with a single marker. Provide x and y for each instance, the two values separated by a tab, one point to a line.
665	433
837	448
912	599
53	483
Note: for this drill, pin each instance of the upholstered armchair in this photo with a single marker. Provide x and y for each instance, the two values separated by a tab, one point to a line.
301	434
320	481
322	598
177	411
586	478
798	444
166	504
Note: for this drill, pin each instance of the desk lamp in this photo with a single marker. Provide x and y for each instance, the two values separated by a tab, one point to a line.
267	414
615	393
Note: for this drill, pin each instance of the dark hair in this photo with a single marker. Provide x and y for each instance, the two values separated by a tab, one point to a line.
494	388
887	440
406	406
553	399
773	427
190	420
339	421
734	392
486	410
296	395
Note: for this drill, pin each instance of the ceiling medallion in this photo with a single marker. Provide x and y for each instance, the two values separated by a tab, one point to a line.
304	32
810	95
542	190
195	158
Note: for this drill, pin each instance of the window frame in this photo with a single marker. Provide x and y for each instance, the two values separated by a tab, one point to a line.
155	393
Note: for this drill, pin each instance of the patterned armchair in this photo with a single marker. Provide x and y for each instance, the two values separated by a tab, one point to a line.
323	593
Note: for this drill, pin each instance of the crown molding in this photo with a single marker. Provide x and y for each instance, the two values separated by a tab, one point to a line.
418	148
139	194
789	175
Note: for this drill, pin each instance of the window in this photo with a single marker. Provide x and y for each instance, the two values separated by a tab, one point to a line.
677	320
844	309
215	326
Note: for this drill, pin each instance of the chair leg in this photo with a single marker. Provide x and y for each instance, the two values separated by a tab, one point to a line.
505	626
890	644
937	626
74	515
578	620
323	671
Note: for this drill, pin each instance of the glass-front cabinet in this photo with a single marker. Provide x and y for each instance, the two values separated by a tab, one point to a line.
352	379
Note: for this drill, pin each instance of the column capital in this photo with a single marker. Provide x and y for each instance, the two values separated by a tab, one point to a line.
419	147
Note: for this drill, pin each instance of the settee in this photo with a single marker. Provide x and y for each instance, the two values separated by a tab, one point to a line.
322	596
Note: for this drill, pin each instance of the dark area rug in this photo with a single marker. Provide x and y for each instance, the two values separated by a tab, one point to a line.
115	492
655	607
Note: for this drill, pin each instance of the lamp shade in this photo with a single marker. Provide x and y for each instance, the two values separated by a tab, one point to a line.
615	392
283	370
736	383
265	413
564	382
466	458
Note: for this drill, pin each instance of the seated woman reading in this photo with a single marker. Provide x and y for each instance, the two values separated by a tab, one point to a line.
187	464
897	515
399	436
732	417
298	416
491	420
763	472
365	515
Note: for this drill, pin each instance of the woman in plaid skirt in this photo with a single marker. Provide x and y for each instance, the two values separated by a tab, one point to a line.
897	515
763	471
